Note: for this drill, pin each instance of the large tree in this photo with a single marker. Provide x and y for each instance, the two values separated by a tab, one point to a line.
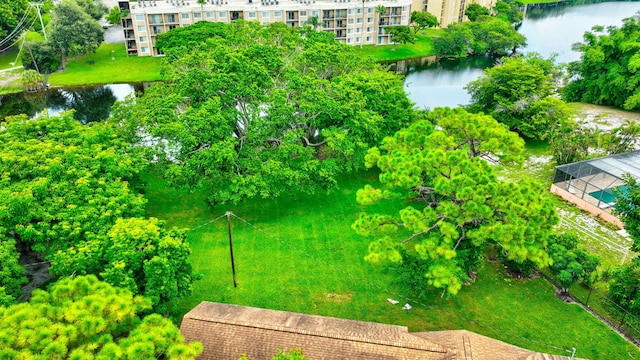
608	72
485	36
474	11
259	111
455	203
519	92
83	318
421	20
73	31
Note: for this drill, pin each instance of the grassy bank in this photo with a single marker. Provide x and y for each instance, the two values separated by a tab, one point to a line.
298	253
421	48
100	68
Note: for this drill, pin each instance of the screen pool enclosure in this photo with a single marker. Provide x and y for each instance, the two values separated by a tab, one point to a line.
591	184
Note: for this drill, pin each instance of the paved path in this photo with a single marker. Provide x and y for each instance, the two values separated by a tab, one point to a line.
10	69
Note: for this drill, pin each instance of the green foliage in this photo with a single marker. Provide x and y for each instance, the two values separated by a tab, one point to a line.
473	11
257	111
608	72
114	17
570	263
63	182
627	206
400	34
73	31
485	36
624	287
458	203
572	142
12	274
519	93
421	20
40	56
136	254
94	8
11	12
509	11
31	80
84	318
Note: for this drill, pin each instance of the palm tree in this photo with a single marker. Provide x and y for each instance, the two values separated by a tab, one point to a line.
202	2
381	10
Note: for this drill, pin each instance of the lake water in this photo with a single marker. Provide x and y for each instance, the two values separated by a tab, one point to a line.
92	103
549	29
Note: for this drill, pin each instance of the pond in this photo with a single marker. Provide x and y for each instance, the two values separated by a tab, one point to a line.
92	103
549	29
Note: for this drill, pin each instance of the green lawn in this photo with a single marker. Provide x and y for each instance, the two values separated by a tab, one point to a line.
8	58
104	70
298	253
421	48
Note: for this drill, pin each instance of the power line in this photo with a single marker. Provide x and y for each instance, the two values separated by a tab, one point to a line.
387	291
15	31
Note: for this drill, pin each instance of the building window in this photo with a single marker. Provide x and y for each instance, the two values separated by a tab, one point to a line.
350	11
223	14
369	20
404	8
141	28
314	13
154	19
359	11
266	23
265	14
360	21
171	18
277	14
185	16
197	15
144	49
380	39
209	14
358	30
252	14
368	38
357	39
369	29
143	39
349	31
349	41
404	18
139	17
303	13
350	21
370	10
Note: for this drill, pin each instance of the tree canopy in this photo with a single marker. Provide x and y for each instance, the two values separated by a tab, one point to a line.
73	31
473	11
421	20
455	202
518	92
608	72
485	36
257	111
11	14
83	318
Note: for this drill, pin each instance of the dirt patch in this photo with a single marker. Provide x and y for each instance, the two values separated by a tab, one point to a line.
338	298
604	117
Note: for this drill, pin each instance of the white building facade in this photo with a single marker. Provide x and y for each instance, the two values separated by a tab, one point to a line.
353	22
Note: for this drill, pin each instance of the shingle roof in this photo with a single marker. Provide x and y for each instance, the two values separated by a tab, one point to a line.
228	331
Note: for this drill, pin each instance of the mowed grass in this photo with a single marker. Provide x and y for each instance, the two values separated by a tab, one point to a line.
422	47
99	68
298	253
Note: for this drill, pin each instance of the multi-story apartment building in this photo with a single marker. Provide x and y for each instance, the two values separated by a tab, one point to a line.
448	11
353	22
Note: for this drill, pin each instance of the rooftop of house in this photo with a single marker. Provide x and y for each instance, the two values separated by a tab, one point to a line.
228	331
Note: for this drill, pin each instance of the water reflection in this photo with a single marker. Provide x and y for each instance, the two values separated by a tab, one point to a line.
92	103
432	83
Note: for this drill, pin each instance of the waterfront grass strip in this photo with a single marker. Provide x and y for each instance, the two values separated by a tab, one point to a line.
100	68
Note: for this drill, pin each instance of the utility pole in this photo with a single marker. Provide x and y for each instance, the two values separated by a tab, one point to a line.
363	25
37	6
233	267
